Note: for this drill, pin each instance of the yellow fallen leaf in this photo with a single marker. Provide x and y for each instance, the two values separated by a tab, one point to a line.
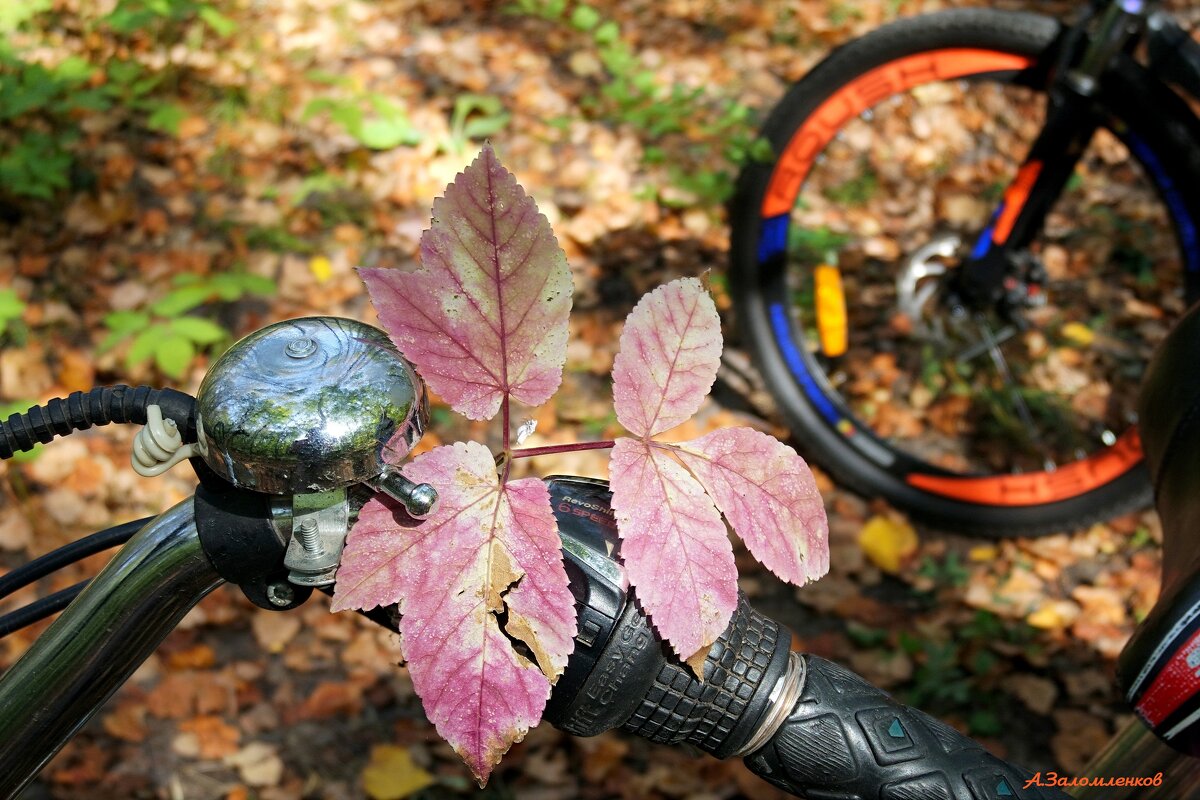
321	268
1079	333
391	774
887	542
984	552
1053	615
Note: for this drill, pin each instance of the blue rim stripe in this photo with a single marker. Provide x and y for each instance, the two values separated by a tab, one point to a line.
773	240
782	328
1174	200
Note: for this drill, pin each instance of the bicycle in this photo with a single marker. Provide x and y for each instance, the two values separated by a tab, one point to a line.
952	295
282	473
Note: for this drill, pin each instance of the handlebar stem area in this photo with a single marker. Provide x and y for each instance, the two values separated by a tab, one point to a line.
98	642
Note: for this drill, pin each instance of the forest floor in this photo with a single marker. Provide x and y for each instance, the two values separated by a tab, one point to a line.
260	166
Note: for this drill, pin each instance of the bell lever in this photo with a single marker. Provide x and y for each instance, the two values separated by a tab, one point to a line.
419	499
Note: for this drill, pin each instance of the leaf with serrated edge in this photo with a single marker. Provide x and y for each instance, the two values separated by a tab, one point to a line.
487	549
674	545
769	496
486	314
670	352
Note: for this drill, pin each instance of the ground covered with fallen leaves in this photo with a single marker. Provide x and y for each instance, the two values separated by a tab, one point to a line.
292	141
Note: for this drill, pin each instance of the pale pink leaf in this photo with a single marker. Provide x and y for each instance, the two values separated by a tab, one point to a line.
769	496
670	352
674	545
486	314
488	549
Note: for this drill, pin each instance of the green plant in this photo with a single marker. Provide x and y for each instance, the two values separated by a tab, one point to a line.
20	407
11	308
277	239
165	332
857	191
701	139
947	572
371	118
818	245
842	13
336	204
475	117
42	105
948	673
36	106
1140	538
166	17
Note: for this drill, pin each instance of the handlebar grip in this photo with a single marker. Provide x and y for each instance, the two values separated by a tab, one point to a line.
845	738
628	679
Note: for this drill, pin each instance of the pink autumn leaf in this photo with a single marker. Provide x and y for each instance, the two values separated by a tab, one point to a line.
674	545
769	496
486	314
670	352
490	548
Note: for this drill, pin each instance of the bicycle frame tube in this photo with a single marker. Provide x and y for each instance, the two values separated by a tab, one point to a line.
98	642
1135	752
1173	54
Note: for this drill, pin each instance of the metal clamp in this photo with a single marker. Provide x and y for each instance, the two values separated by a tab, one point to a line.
319	523
784	696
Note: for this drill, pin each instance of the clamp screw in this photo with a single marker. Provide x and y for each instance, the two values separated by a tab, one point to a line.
301	347
280	594
306	532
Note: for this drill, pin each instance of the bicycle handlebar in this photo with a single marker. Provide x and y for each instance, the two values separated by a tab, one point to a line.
802	723
810	727
846	735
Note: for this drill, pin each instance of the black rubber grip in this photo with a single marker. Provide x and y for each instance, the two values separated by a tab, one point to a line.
635	683
847	740
717	714
100	406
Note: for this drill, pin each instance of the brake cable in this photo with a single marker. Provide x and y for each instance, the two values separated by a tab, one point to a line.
63	416
55	560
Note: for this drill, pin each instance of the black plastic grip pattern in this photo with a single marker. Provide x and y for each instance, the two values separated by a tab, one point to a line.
100	406
716	714
847	740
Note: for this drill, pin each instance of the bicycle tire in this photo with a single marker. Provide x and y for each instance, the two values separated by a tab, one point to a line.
1132	97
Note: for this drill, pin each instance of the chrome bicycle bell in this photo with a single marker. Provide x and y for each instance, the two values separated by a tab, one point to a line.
313	405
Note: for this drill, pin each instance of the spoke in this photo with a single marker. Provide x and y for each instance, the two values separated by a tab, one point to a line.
992	346
979	348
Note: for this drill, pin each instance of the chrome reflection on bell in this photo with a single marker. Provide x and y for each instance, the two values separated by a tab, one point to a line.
309	405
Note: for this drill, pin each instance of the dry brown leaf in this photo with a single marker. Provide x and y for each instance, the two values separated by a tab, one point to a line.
258	764
173	698
199	656
1080	736
127	722
601	755
16	533
1037	693
215	738
331	699
273	630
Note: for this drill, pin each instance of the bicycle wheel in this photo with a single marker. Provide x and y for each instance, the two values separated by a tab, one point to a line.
892	156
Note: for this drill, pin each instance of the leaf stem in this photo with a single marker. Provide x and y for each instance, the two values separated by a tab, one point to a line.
504	410
529	452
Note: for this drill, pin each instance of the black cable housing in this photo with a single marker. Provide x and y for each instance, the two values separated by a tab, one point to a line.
100	406
80	549
39	609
